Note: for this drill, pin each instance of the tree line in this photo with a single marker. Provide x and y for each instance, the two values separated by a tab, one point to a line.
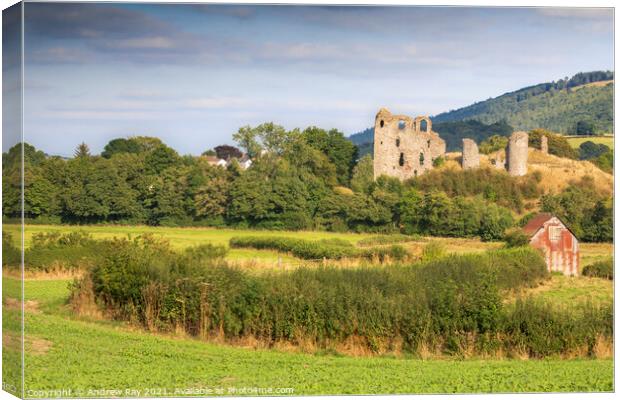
299	179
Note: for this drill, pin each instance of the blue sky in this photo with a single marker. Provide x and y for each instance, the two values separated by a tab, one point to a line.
193	74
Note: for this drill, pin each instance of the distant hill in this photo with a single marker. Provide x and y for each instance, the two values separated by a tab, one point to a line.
566	106
580	105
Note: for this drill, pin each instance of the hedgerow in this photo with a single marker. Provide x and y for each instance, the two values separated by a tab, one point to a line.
450	305
316	249
387	239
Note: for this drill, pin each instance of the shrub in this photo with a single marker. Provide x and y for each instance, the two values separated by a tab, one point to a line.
494	186
493	143
516	238
589	150
62	250
317	249
601	269
11	255
558	145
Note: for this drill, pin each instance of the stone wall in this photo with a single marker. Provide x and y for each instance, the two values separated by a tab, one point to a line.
544	144
516	154
405	147
470	157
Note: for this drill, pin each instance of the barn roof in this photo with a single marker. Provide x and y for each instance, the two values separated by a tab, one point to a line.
536	223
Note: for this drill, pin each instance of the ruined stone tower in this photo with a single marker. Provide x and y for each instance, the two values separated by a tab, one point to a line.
470	158
544	144
404	147
516	154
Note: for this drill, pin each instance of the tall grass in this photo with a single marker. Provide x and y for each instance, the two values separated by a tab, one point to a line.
451	305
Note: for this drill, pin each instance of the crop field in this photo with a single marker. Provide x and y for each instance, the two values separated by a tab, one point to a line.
64	351
186	237
575	142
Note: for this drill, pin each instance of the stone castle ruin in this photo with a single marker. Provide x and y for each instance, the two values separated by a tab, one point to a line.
516	154
470	158
406	147
544	144
515	161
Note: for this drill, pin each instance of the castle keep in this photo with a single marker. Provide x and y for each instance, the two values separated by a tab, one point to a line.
405	147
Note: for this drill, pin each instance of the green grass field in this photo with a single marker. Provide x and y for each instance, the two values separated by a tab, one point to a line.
563	290
65	352
575	142
185	237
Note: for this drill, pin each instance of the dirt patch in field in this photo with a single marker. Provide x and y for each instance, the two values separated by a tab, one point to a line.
37	346
53	274
33	344
11	303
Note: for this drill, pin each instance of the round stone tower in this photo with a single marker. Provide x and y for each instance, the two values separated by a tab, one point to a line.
516	154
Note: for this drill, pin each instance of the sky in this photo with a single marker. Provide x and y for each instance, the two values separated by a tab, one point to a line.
193	74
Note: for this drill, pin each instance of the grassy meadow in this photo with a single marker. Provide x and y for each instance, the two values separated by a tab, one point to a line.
113	355
89	354
181	238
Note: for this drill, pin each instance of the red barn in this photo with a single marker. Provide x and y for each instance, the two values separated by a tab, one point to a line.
558	244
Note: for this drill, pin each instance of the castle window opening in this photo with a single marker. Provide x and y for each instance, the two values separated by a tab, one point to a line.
382	123
424	125
401	160
421	158
428	144
401	124
415	172
397	142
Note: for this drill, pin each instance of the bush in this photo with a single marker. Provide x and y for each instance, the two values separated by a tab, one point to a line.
69	251
316	250
493	143
589	150
516	238
558	145
492	185
600	269
11	255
